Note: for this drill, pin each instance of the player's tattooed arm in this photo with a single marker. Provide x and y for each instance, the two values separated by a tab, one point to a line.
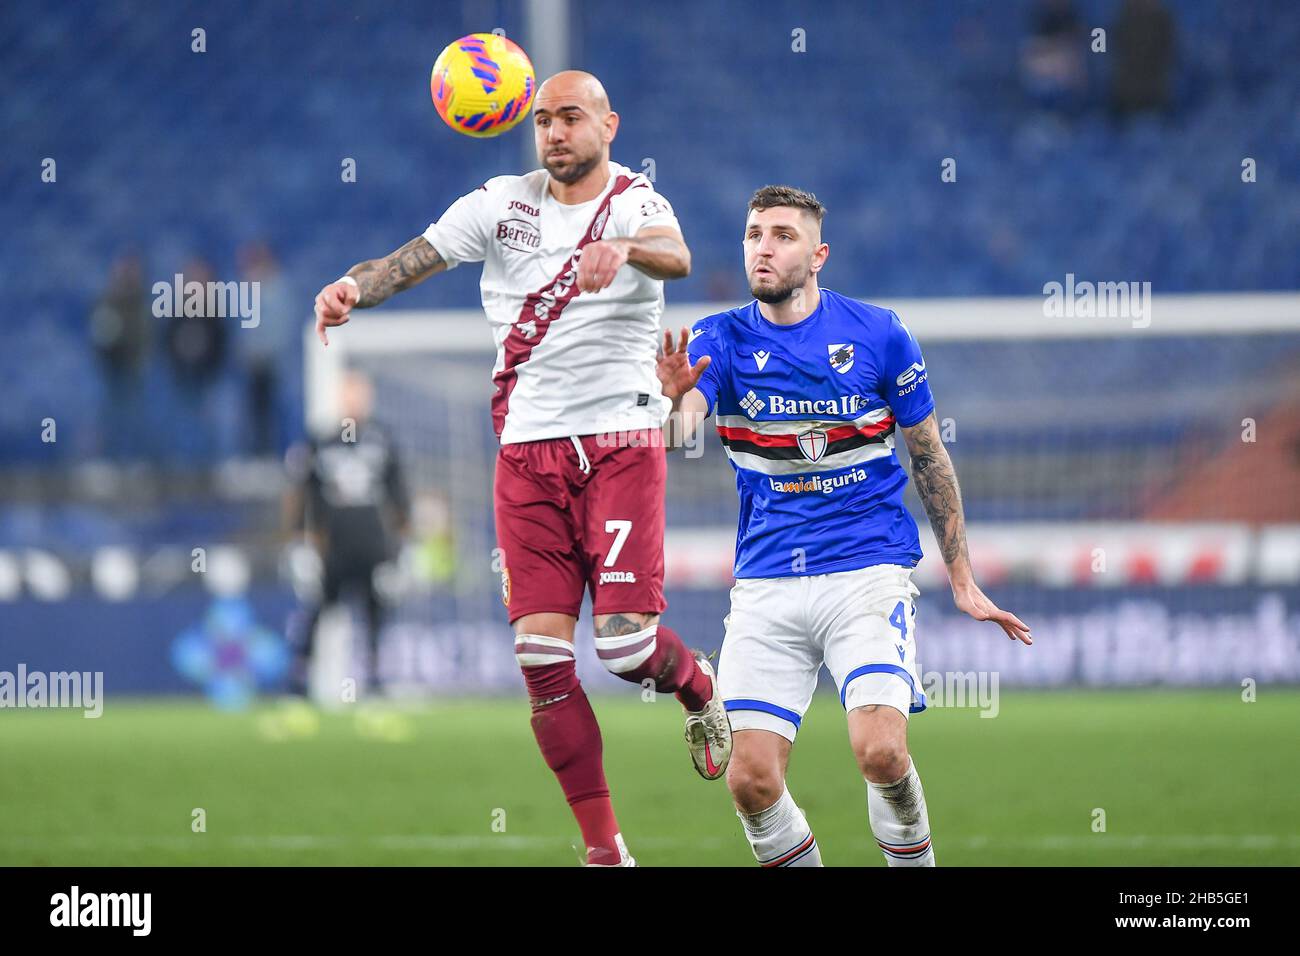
377	279
936	484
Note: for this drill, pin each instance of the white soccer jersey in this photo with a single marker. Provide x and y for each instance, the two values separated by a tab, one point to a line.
568	363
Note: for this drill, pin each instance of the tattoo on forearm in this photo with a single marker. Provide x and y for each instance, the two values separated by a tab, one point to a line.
936	483
377	279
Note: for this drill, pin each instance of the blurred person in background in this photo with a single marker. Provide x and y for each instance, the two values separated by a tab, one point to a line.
119	329
196	350
1144	45
1052	60
348	495
434	539
269	350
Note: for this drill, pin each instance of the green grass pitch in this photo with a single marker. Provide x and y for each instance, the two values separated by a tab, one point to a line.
1184	777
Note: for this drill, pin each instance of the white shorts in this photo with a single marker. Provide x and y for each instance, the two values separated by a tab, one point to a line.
860	624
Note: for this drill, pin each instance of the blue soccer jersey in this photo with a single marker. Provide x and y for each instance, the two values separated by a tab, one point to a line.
807	414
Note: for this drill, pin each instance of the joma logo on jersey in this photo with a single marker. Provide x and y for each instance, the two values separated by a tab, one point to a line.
618	577
523	207
518	235
843	405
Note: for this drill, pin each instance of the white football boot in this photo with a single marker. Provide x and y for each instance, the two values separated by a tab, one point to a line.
708	731
624	858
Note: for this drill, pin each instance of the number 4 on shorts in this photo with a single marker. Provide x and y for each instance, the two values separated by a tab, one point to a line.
899	620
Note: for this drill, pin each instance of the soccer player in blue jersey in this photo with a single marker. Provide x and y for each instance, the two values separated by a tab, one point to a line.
808	387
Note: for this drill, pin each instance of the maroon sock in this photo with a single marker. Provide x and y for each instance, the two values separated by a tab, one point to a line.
569	738
661	657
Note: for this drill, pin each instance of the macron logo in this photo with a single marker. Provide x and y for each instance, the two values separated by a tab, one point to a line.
102	909
761	358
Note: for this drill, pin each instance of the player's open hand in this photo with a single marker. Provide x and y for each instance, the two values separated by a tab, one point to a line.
600	262
970	599
676	374
334	306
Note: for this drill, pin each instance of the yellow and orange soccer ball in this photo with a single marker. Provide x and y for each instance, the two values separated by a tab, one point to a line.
482	84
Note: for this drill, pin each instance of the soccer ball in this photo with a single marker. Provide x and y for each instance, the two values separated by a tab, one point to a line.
482	84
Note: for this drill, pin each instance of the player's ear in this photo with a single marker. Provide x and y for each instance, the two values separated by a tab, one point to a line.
819	256
611	126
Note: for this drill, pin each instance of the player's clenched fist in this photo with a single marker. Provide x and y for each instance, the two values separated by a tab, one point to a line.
599	263
333	306
677	375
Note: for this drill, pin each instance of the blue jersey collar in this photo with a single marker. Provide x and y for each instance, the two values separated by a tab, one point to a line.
765	322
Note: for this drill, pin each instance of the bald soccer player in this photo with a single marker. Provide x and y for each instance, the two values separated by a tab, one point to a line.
574	257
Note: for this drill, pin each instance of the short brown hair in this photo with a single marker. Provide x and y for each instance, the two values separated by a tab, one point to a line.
771	196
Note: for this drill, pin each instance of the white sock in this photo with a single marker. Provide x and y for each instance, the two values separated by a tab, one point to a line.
899	820
780	835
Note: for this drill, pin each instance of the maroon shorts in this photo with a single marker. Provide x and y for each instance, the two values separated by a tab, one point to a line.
565	525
